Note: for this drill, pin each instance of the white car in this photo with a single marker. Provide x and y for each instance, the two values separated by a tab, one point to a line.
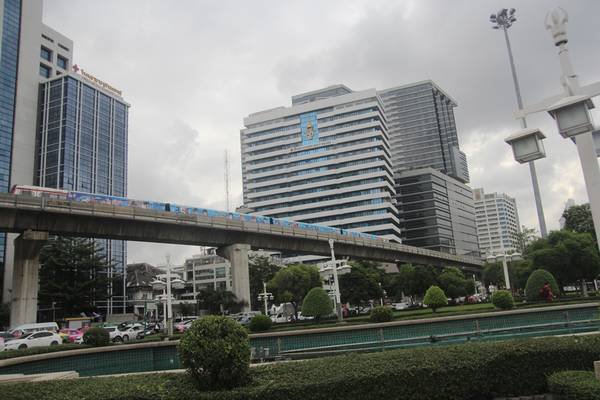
36	339
114	333
130	332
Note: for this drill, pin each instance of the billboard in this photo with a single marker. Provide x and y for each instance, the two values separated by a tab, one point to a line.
309	128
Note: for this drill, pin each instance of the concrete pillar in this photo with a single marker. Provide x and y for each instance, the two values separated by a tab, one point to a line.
237	254
23	306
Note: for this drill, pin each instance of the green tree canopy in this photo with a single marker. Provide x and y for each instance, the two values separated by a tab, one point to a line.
361	284
317	304
579	219
217	301
412	280
435	298
518	272
260	270
536	282
567	255
73	274
292	283
454	283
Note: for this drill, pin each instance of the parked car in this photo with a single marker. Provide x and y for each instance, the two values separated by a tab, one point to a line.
39	327
280	318
401	306
35	339
129	332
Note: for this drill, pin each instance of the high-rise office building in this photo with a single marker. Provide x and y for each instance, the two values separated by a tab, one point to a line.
434	203
422	129
82	146
436	212
32	53
28	48
497	221
324	160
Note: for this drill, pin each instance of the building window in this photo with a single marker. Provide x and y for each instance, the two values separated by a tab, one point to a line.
44	71
47	38
65	48
62	62
46	54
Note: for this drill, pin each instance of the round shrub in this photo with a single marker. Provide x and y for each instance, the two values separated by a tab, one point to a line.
503	299
316	303
382	314
96	337
536	282
215	350
571	385
435	298
260	323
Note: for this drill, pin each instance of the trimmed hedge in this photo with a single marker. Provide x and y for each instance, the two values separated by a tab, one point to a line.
40	350
96	337
575	385
435	298
260	323
479	370
382	314
535	283
503	299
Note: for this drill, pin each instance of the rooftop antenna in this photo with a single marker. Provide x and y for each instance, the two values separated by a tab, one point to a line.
227	179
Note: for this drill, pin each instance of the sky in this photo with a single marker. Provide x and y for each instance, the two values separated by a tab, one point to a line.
192	70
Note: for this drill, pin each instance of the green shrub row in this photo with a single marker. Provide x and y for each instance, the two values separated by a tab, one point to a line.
40	350
574	385
481	370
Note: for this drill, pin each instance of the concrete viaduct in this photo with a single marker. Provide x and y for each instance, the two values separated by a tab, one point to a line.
36	218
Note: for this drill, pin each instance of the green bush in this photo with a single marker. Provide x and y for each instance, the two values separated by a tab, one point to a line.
382	314
317	304
260	323
4	355
476	370
435	298
574	385
215	351
503	299
96	337
536	282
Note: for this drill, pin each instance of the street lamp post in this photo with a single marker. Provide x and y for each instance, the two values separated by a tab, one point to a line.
265	296
504	20
503	256
336	284
571	111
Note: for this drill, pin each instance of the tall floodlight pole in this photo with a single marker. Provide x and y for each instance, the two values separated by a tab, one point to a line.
504	20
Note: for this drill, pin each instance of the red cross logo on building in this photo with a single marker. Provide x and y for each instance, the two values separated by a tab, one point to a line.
75	68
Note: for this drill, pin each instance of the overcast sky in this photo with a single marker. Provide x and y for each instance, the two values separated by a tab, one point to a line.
192	70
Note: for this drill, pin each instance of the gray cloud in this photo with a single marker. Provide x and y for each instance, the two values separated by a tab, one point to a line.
192	70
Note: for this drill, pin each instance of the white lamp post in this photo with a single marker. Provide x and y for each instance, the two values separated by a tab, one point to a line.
571	112
504	257
265	296
336	284
175	283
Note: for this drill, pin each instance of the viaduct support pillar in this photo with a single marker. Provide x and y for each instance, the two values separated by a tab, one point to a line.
237	254
23	307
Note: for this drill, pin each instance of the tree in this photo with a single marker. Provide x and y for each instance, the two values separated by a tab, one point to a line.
568	255
217	301
260	270
454	283
73	274
291	284
579	219
361	284
518	272
4	315
536	282
524	238
435	298
412	280
317	304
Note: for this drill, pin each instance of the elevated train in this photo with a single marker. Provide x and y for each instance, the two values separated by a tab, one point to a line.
36	191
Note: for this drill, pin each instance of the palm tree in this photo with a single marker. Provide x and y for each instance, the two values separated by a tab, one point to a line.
216	301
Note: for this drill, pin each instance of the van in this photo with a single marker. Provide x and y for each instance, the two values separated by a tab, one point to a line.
28	328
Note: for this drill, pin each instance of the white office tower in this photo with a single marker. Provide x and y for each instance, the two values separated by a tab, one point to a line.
497	222
325	160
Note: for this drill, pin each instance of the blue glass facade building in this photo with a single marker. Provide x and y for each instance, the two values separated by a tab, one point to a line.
82	146
9	60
